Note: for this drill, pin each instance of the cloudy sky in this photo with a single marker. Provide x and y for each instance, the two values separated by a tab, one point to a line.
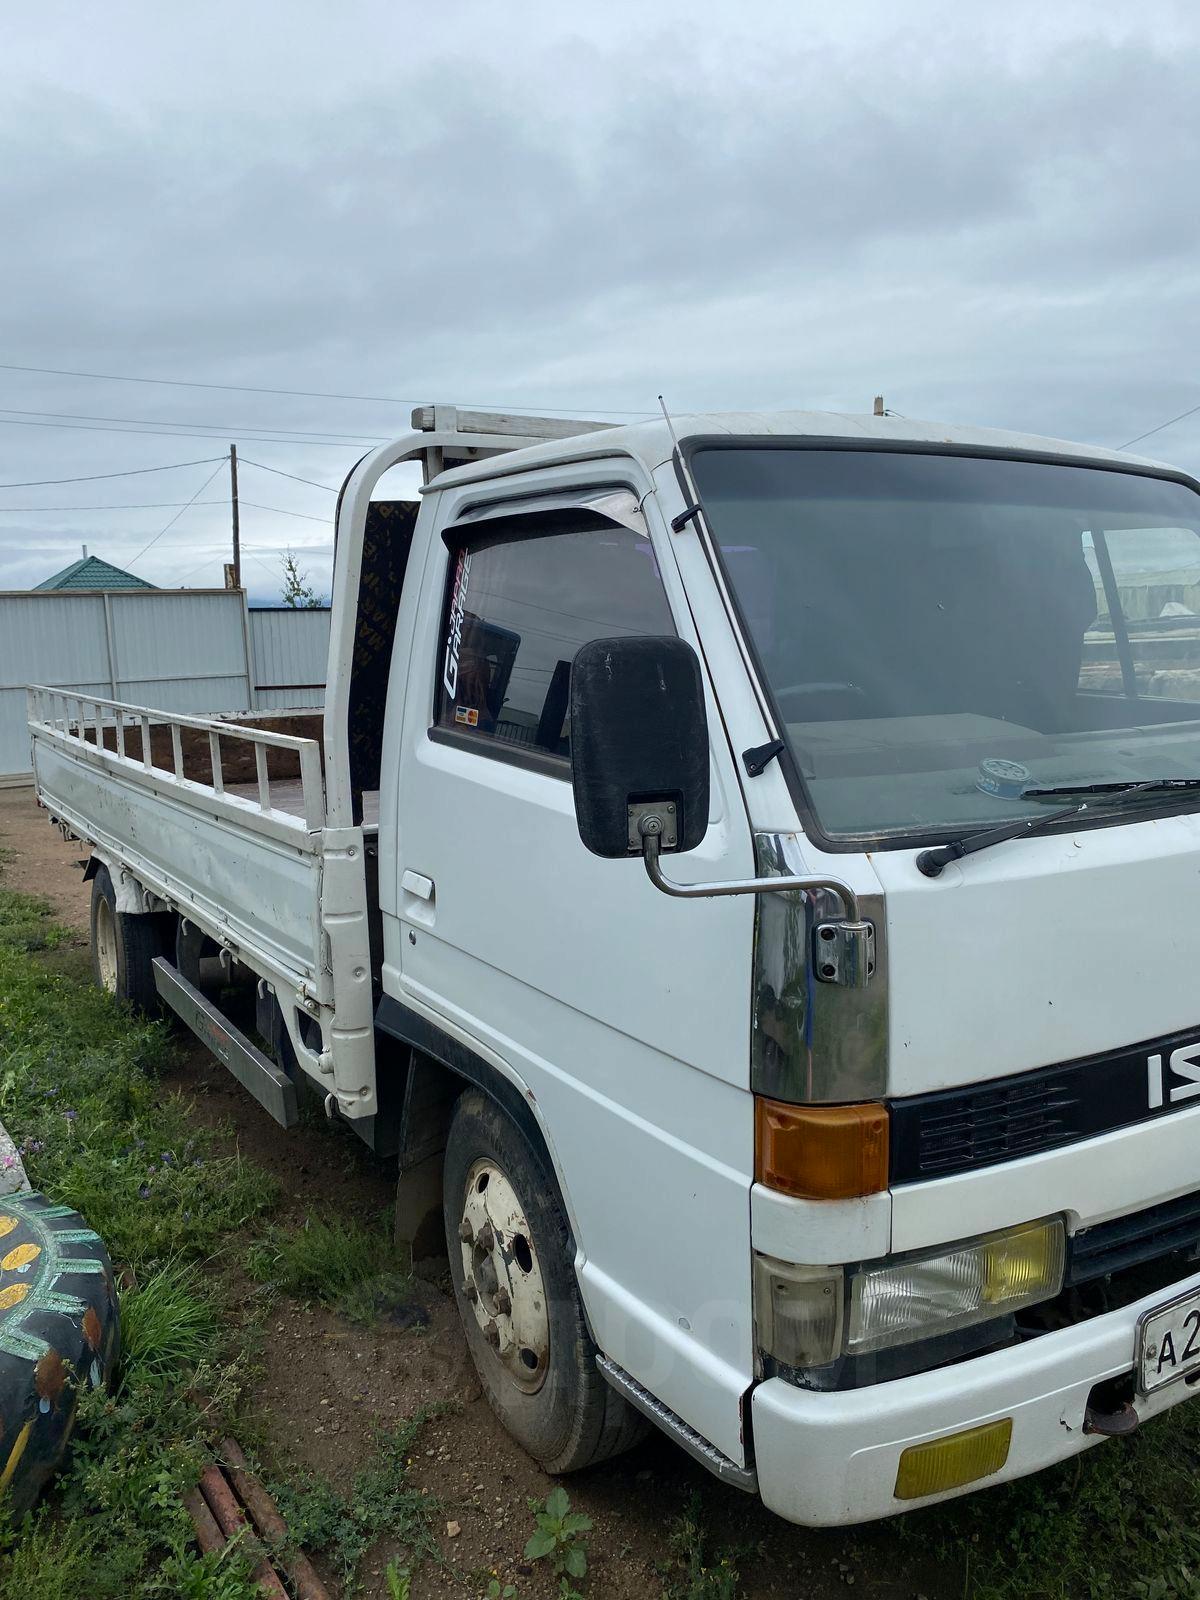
987	213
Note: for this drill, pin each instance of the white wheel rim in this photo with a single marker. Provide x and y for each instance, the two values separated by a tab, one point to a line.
106	946
502	1278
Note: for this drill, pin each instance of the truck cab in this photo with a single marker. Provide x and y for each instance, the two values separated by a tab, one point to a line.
772	961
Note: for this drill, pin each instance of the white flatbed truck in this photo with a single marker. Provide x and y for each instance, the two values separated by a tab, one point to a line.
749	880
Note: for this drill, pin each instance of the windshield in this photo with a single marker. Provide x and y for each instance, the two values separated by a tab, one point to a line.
941	632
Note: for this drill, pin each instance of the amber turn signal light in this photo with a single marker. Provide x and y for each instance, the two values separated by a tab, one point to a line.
821	1152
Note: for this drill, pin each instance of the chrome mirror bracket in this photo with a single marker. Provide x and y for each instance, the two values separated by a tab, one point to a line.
843	951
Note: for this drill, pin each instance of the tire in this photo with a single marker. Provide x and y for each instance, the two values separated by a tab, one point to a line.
536	1360
59	1332
124	947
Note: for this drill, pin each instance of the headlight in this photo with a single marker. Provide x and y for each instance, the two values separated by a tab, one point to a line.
901	1301
808	1316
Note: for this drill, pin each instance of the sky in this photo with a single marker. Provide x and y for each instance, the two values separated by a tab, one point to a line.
986	213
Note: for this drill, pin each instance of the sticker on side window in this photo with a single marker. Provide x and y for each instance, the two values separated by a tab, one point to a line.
467	714
454	628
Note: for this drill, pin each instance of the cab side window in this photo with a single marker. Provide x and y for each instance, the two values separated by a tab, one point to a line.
519	604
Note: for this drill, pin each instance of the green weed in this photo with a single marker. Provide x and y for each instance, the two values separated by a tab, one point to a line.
221	1575
343	1264
380	1502
695	1573
557	1537
44	1558
398	1580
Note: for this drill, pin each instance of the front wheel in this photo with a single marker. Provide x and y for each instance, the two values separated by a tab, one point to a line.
514	1281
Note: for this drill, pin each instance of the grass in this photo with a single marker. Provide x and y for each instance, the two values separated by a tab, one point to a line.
25	923
80	1092
354	1269
168	1324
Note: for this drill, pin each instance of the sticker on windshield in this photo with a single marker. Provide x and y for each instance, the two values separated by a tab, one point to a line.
454	627
1005	779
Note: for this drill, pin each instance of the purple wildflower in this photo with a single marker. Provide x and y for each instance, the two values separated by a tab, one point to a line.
70	1115
144	1192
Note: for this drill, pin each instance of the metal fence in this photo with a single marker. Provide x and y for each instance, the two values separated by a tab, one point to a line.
184	650
289	651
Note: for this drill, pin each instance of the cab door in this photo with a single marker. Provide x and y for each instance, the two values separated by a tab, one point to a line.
622	1015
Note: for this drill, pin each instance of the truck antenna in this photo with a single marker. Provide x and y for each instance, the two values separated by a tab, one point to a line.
691	512
670	424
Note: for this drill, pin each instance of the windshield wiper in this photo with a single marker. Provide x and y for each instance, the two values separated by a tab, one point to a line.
1146	786
932	862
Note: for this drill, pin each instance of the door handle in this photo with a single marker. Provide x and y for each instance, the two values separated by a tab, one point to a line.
418	884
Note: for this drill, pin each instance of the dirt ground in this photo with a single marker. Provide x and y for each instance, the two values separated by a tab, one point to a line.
326	1383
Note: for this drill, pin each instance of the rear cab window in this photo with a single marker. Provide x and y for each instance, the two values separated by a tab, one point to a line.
522	597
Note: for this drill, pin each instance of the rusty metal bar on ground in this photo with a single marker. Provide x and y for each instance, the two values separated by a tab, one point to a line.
270	1524
231	1522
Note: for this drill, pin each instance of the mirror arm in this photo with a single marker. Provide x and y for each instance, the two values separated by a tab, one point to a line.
704	891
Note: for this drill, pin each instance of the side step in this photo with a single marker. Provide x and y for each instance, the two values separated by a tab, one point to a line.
696	1445
269	1084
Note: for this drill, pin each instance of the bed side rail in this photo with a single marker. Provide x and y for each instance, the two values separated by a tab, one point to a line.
86	720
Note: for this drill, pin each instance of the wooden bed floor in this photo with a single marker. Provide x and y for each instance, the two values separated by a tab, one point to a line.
287	794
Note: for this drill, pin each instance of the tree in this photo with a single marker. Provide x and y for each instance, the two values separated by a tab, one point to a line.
298	593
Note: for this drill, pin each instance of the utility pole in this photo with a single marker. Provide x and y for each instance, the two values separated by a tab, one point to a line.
237	531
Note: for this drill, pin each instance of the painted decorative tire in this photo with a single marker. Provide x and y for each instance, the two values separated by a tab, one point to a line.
59	1329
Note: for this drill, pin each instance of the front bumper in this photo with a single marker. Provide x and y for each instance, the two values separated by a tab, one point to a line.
828	1459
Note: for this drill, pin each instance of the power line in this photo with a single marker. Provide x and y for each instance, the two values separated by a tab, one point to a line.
181	510
135	505
216	427
328	521
312	482
166	433
303	394
94	477
1170	422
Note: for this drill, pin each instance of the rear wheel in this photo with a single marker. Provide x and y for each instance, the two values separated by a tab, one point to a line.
124	947
514	1281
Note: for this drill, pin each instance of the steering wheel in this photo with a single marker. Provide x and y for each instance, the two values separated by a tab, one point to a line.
803	691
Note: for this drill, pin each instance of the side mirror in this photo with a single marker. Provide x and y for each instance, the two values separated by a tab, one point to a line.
639	744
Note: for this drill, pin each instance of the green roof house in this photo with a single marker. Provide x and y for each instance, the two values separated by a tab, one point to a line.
89	572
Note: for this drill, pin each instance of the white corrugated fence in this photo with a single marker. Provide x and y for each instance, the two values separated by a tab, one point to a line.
191	650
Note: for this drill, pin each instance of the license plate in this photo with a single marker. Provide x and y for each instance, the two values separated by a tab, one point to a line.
1169	1342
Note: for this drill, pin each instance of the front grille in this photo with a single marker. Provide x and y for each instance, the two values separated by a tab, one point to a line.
982	1124
997	1124
1168	1229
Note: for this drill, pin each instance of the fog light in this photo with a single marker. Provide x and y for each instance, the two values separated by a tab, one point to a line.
949	1463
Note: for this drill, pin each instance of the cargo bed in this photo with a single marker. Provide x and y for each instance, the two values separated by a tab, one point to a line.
223	822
